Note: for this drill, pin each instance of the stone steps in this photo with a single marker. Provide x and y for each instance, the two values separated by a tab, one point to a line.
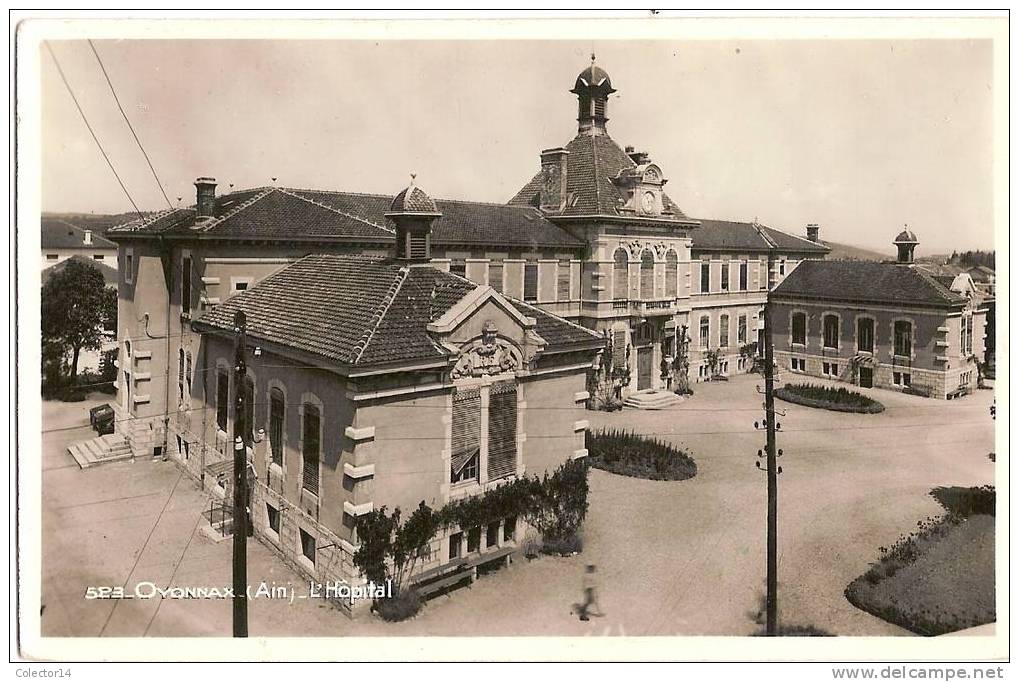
109	448
652	400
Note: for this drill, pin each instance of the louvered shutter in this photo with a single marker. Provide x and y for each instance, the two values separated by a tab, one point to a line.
619	349
466	436
311	449
502	429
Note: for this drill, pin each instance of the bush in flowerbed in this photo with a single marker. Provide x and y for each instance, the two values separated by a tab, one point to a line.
630	454
568	546
828	398
940	577
400	606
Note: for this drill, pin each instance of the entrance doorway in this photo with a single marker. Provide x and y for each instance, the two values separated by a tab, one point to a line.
866	377
645	356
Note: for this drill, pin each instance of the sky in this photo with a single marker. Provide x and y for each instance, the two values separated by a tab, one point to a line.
860	136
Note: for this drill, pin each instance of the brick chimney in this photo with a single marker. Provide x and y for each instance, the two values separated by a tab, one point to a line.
812	230
639	158
205	189
553	176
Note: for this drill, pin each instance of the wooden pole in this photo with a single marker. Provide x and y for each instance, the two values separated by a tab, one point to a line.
769	407
240	517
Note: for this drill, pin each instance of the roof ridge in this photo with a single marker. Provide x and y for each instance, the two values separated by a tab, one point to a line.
380	314
552	315
375	195
794	236
236	209
294	194
158	215
938	287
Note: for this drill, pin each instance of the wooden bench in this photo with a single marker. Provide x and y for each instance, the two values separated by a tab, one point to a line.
489	557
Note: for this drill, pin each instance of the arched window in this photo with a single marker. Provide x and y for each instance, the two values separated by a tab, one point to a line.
619	277
671	274
647	274
704	331
831	331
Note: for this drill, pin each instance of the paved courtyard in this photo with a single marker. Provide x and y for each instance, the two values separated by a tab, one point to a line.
675	558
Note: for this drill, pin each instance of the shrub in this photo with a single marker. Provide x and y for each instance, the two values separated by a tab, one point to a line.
966	502
401	606
829	398
630	454
572	544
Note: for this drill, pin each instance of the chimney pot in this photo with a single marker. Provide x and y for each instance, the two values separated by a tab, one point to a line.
205	189
812	232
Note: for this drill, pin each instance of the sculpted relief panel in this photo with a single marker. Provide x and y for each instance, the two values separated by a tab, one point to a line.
487	355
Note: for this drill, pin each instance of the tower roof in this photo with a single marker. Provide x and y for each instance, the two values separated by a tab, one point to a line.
907	236
593	78
413	201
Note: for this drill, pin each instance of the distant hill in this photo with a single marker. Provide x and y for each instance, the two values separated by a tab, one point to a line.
847	252
97	222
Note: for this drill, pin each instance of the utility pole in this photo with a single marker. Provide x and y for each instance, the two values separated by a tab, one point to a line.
770	423
240	517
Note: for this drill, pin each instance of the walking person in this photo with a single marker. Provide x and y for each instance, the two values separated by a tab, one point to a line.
590	584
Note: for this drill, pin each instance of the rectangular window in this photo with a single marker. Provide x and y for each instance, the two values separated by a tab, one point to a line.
51	256
492	535
897	378
781	267
495	275
129	266
98	256
274	518
308	546
276	406
743	275
723	331
704	330
458	267
705	277
903	338
502	430
725	276
530	282
185	285
455	545
831	331
466	435
800	328
222	399
865	334
563	282
240	286
311	448
741	329
509	528
474	540
906	379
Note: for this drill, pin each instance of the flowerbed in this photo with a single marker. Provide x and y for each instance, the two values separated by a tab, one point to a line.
630	454
828	398
939	578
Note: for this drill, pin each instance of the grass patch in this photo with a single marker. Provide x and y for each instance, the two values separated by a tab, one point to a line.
630	454
828	398
940	577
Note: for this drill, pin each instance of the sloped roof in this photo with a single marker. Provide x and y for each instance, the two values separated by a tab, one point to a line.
283	213
362	311
865	281
58	233
592	161
729	235
109	274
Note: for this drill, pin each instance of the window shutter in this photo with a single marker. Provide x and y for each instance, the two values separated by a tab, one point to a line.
563	284
495	275
502	430
530	281
311	449
466	427
276	426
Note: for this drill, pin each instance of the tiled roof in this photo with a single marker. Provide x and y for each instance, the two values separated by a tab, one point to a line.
728	235
60	234
362	311
865	281
280	213
109	274
413	200
593	160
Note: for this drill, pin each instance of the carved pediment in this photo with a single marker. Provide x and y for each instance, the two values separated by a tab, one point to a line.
486	355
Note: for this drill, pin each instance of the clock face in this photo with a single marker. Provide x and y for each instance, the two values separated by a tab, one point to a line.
648	201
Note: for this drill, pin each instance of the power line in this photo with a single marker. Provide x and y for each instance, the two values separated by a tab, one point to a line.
89	126
128	121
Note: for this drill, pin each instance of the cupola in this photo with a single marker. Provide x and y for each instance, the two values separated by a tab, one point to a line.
592	89
413	211
905	243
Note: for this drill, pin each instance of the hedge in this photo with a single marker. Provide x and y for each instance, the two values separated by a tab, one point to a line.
630	454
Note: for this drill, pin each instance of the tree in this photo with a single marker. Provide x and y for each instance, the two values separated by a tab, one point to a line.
75	306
